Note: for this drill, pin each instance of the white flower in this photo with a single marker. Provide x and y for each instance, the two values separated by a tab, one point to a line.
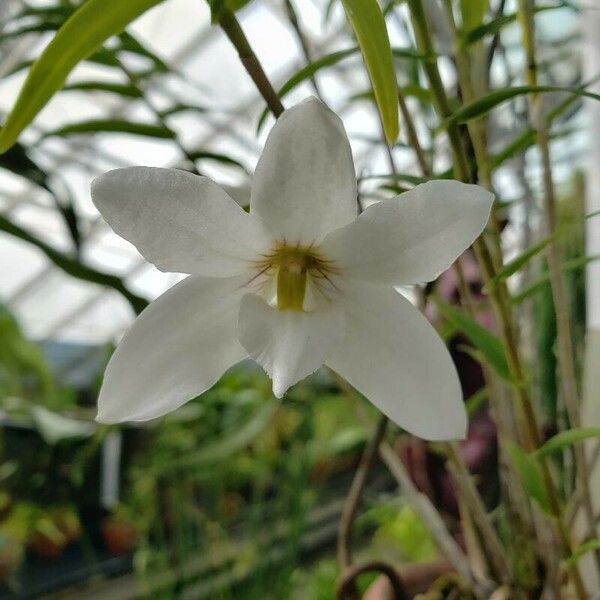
298	282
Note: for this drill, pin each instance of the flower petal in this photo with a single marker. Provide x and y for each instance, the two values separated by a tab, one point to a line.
288	344
179	221
413	237
394	357
304	184
176	349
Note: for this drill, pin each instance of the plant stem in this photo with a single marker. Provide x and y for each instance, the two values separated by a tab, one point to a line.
498	294
468	491
431	517
236	35
348	583
353	498
413	138
564	338
440	99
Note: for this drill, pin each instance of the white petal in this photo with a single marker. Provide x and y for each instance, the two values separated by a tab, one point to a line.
176	349
289	345
304	185
394	357
179	221
413	237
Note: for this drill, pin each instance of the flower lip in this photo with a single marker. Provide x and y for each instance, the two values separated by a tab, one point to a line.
297	268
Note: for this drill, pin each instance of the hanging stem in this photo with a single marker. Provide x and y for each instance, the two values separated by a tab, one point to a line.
353	498
348	583
564	338
413	137
469	493
236	35
498	294
430	516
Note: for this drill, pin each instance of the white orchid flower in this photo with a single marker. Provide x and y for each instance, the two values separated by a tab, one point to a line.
299	282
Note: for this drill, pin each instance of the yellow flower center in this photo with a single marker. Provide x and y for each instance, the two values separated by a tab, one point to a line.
295	267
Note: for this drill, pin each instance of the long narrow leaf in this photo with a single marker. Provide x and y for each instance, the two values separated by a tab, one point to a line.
368	24
564	439
514	265
582	550
83	32
74	267
485	104
484	340
113	125
327	61
122	89
306	73
530	475
540	282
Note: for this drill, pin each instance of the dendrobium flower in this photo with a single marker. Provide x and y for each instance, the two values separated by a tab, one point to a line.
299	282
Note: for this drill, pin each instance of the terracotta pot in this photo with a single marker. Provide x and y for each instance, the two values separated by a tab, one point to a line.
120	537
44	546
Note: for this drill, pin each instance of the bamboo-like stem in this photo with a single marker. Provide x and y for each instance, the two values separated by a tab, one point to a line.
476	129
430	516
536	109
353	498
478	558
413	137
505	430
470	495
236	35
498	294
440	100
564	338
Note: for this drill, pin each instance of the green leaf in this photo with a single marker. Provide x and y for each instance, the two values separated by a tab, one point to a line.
485	341
476	401
398	177
179	108
473	12
122	89
368	24
485	104
73	267
327	61
567	438
543	280
530	475
523	142
113	125
478	31
514	265
227	445
589	546
18	162
306	73
222	158
83	33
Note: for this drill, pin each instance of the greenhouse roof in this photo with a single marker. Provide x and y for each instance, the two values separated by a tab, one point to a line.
207	73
